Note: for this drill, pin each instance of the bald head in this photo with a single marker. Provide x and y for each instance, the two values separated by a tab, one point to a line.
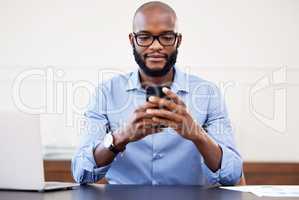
152	14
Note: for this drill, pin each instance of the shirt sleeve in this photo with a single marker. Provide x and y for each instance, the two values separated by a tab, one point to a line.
219	129
84	168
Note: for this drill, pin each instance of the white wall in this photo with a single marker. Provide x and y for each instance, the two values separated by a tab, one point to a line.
249	48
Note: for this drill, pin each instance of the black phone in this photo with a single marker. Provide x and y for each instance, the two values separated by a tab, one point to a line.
155	91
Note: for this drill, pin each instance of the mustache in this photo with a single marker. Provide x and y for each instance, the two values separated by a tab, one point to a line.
151	54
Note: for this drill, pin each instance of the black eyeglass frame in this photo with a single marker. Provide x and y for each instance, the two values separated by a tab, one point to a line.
156	37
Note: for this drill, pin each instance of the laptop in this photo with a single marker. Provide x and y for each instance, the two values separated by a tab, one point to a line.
21	159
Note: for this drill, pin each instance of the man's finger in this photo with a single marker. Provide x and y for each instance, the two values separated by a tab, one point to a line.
139	116
145	106
162	102
173	96
148	126
165	114
166	122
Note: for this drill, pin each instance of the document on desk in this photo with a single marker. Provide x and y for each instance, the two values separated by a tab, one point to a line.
269	190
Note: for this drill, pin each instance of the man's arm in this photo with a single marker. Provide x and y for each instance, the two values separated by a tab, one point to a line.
222	162
219	129
209	149
104	156
84	167
92	161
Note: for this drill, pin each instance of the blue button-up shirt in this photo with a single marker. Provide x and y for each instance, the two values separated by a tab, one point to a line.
162	158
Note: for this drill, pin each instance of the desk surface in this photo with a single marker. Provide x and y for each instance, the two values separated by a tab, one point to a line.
133	192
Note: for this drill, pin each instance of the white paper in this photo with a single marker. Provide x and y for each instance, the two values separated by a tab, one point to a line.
269	190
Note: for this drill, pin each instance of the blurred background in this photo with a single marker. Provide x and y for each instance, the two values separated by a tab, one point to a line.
53	53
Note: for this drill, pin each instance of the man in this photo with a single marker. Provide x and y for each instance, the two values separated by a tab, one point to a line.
185	138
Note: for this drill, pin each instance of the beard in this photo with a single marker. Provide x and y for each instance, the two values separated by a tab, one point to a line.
170	62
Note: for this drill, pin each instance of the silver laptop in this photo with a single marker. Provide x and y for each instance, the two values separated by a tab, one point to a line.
21	159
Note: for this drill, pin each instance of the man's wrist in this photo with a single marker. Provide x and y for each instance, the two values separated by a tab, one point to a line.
120	141
200	137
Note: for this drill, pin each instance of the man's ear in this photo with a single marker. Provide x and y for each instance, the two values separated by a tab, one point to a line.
179	40
131	38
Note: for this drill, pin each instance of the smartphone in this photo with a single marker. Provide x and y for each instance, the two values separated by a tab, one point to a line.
155	91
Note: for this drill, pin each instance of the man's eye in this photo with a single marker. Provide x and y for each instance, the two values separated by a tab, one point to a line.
144	37
167	37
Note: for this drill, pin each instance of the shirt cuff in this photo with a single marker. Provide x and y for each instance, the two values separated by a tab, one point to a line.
87	169
230	171
231	167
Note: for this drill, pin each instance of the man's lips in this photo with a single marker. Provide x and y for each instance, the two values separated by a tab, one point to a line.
156	57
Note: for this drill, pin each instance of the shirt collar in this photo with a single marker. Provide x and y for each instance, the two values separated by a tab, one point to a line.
133	81
180	82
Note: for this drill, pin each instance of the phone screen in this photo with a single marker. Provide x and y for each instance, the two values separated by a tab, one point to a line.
154	91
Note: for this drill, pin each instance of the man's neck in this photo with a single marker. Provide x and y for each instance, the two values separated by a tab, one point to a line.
156	81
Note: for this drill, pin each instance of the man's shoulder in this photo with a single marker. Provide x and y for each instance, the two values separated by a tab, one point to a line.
117	81
198	84
119	78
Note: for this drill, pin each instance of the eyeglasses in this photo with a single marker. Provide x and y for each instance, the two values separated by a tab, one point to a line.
146	39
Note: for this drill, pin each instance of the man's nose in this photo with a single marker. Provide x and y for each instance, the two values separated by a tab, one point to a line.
156	45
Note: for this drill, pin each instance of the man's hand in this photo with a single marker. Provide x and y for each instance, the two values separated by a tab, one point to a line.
139	126
175	115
